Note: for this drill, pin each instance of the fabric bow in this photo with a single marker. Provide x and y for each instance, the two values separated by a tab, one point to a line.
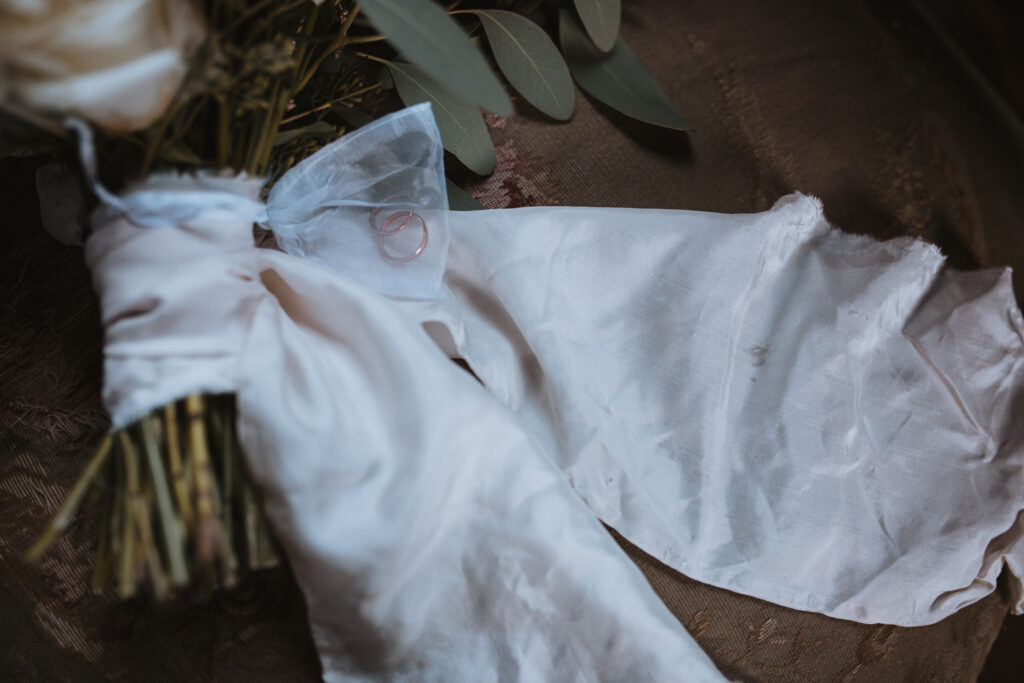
372	205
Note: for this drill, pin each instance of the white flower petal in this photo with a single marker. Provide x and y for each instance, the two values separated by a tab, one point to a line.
116	63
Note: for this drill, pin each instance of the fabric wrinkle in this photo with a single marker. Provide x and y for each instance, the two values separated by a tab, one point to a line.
800	406
782	436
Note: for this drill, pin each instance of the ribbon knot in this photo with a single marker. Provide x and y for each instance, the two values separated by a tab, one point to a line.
372	205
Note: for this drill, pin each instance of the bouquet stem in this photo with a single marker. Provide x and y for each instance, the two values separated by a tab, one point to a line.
170	517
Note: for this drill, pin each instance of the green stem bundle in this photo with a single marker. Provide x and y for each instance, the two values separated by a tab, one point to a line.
171	517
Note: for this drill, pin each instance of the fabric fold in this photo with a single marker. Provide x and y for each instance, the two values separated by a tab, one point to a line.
762	402
175	301
432	540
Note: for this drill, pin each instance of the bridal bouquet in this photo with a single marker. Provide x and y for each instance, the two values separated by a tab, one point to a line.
760	401
252	88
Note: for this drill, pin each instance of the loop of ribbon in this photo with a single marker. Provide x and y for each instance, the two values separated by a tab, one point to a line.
372	205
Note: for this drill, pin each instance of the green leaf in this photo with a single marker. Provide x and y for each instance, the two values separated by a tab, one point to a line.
601	19
427	36
463	131
530	61
459	199
617	78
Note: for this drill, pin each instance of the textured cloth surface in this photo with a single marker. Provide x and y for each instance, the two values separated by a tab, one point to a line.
761	401
853	102
751	640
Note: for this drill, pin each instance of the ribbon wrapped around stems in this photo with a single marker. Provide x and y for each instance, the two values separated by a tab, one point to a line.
432	540
760	401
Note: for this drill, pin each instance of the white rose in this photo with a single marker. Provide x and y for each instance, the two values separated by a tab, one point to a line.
116	63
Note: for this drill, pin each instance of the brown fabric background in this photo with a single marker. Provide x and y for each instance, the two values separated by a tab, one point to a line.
855	102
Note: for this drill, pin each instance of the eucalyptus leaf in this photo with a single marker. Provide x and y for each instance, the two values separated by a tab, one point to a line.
459	199
463	131
427	36
601	19
617	78
530	61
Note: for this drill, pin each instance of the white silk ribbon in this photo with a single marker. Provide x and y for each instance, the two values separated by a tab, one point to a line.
371	205
761	402
432	539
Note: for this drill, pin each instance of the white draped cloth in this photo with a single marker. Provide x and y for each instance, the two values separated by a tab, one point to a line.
761	402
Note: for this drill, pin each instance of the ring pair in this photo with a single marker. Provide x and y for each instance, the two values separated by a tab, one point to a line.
392	225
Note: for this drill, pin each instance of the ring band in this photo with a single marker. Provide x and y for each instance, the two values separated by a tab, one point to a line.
376	210
419	249
383	229
386	228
